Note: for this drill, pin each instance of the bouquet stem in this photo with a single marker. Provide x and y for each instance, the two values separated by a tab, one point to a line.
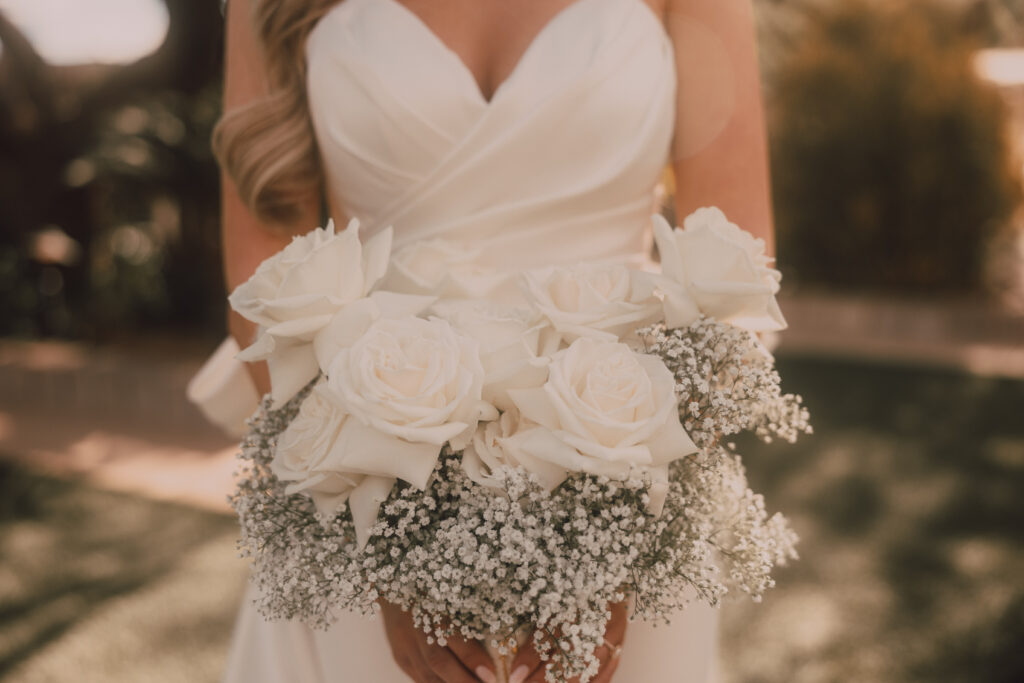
503	662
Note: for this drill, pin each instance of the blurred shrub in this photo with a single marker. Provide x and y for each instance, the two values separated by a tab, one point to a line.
891	162
155	258
109	191
137	206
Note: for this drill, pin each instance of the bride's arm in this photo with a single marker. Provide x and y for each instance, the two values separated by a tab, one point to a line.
720	151
247	241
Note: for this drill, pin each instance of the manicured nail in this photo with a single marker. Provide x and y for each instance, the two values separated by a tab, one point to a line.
520	674
485	675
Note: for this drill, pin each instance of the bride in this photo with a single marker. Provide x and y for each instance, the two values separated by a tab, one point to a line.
532	132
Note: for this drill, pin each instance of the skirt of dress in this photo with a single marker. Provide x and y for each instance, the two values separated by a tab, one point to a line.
356	650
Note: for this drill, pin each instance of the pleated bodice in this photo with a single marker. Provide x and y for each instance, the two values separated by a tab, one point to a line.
558	166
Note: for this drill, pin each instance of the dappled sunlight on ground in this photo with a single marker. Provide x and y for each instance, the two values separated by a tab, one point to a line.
198	476
101	586
908	503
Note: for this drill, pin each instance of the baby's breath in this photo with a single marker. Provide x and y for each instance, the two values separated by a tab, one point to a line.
726	382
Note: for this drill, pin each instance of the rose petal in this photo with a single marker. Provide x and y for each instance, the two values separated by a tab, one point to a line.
291	368
680	308
342	331
473	465
258	350
535	405
365	450
332	269
299	306
329	491
394	305
364	502
632	455
466	281
300	481
658	490
549	446
665	238
499	384
329	504
484	412
670	443
303	328
376	254
549	474
751	306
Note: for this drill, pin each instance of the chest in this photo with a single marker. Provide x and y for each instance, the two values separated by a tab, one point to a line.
490	37
577	132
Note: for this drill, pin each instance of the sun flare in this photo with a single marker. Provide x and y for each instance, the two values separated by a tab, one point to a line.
66	32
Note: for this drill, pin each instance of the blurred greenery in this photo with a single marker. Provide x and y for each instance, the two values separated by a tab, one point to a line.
889	160
109	192
892	166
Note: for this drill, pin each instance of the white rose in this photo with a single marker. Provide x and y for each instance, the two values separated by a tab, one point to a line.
415	381
494	446
514	344
311	456
350	323
444	269
714	267
295	293
599	301
604	410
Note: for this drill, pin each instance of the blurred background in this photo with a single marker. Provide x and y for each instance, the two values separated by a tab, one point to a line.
898	155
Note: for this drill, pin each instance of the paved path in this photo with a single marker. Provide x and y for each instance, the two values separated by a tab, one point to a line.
965	335
117	415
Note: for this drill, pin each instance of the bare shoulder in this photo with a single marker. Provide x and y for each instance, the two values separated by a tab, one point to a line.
723	12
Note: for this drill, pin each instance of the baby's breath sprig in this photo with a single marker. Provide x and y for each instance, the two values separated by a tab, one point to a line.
726	382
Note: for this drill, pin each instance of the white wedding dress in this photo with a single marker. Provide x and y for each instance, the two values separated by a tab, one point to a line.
559	166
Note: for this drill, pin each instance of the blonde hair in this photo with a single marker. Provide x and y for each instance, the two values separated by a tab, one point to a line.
267	146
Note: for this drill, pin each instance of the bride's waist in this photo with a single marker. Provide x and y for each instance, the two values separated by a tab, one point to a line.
510	240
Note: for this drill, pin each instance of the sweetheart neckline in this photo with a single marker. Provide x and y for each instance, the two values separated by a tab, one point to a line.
519	66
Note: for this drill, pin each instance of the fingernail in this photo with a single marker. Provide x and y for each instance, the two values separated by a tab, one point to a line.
519	675
485	675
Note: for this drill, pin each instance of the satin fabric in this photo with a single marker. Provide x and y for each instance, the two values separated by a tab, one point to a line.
559	166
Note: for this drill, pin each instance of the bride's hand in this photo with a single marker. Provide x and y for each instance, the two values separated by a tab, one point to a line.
423	662
528	668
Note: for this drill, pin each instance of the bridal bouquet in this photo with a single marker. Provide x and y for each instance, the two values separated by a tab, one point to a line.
509	471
